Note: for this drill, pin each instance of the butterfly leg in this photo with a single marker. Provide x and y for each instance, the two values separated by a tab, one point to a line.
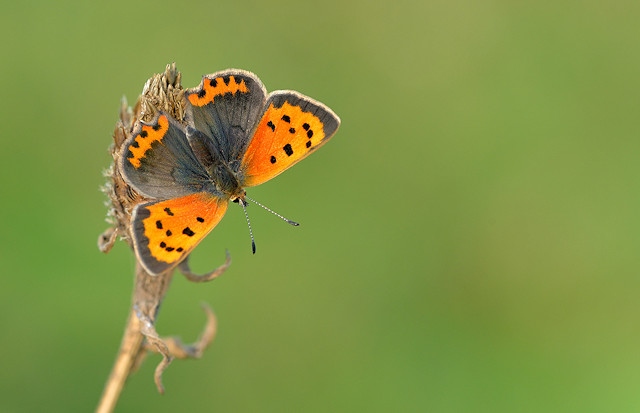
199	278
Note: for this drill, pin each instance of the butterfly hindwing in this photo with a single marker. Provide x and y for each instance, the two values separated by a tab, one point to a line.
159	163
165	232
225	107
291	127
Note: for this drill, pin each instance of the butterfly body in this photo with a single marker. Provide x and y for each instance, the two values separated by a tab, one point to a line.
236	136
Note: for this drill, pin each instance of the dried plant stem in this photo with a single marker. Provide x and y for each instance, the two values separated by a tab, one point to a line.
148	294
140	334
162	92
124	364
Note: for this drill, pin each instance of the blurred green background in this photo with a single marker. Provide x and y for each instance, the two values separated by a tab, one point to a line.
469	239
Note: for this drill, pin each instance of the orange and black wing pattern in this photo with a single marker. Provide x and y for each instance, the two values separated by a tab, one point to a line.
290	128
165	232
225	108
159	163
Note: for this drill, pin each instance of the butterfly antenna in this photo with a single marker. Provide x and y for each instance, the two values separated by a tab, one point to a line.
288	221
243	203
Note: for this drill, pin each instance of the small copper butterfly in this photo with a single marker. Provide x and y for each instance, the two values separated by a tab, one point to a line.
237	136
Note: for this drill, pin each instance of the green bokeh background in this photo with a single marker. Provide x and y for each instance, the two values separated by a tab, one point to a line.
469	239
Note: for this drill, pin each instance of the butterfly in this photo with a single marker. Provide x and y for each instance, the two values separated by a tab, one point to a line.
236	136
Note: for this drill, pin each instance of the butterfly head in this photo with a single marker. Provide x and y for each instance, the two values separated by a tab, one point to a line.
239	198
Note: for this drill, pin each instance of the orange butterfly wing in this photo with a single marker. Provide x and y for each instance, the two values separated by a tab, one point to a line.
291	127
165	232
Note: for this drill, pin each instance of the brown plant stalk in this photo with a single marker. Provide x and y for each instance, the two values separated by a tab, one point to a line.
161	92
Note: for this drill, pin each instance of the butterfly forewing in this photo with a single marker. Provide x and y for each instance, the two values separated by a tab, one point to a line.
291	127
159	163
225	107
